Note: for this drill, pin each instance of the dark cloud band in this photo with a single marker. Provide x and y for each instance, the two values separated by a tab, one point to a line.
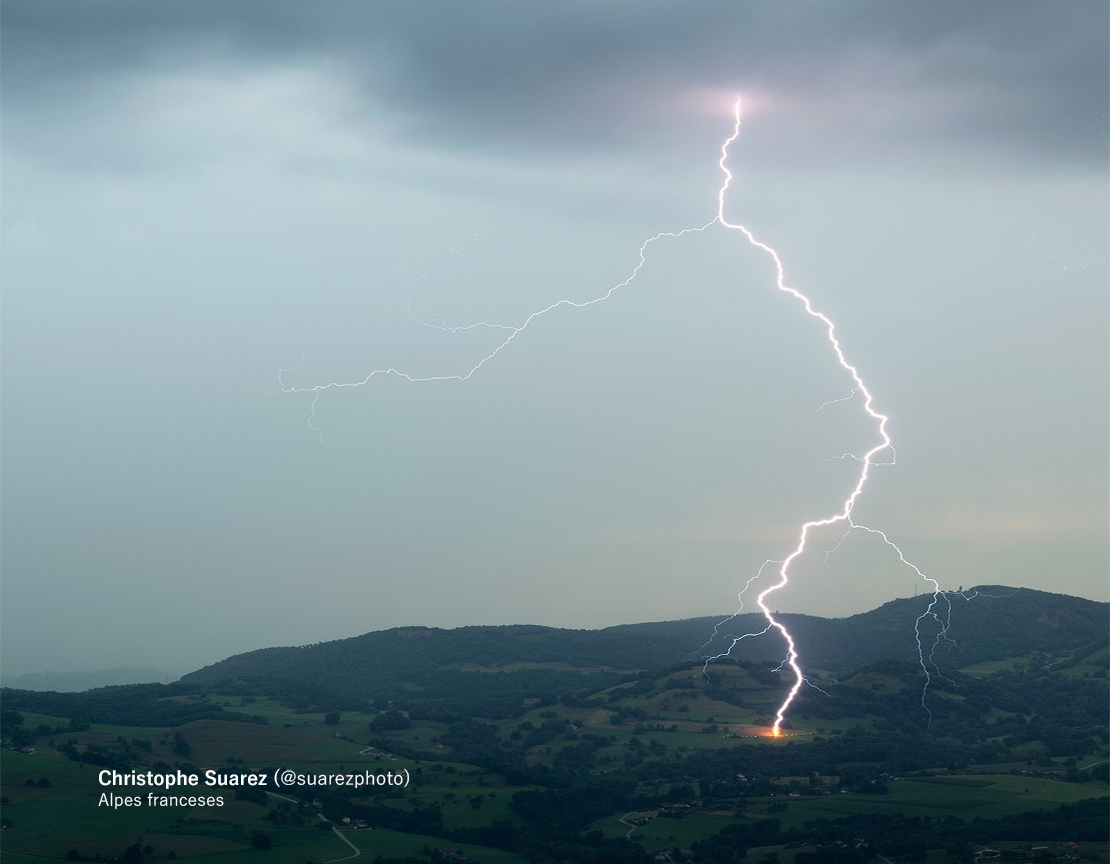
1028	79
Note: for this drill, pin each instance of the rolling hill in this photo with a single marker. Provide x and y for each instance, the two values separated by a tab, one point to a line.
987	623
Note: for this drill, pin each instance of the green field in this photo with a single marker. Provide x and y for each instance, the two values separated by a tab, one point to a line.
67	815
966	797
989	667
665	833
49	821
387	843
989	796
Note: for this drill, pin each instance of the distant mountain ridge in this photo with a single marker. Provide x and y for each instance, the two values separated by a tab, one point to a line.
77	682
987	622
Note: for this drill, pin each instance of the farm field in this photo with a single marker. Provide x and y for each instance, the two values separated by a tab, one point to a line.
988	796
395	844
664	833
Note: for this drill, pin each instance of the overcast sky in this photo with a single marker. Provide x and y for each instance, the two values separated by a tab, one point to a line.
200	194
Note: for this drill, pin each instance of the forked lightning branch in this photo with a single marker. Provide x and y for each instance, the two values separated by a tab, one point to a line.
879	452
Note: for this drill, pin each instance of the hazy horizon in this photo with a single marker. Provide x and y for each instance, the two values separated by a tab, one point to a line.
177	673
202	197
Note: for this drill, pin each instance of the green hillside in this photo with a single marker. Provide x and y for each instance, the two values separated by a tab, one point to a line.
532	744
986	623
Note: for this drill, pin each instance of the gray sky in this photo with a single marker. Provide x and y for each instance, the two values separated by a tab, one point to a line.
198	194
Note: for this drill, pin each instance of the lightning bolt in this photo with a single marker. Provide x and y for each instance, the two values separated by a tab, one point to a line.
467	374
865	461
943	617
860	389
1059	259
443	259
829	402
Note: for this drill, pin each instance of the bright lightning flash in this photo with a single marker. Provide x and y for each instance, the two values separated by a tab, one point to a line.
866	461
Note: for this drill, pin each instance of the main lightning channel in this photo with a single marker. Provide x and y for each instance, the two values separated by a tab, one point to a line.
884	442
866	461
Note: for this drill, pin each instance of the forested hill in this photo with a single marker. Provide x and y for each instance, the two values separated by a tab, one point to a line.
987	622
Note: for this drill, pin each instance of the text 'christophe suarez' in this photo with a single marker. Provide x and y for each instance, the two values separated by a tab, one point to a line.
275	779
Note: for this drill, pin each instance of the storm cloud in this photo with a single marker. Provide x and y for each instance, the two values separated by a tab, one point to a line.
207	201
1021	80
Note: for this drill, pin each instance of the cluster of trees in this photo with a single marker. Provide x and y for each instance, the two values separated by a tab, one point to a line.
861	837
129	705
